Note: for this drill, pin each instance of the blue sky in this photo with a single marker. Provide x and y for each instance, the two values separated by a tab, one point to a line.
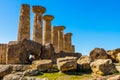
94	23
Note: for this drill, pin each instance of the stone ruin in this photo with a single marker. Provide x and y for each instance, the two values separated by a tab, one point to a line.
45	37
52	44
3	49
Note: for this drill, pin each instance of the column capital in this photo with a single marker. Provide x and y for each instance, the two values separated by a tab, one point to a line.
48	17
61	27
38	9
25	5
55	27
68	34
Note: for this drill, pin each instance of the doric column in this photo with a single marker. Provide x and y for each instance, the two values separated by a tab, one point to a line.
47	28
54	37
65	43
72	49
60	38
3	49
24	22
37	30
69	36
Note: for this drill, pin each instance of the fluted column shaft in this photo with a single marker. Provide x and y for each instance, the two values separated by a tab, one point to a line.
72	49
47	32
55	38
69	36
47	29
65	43
60	38
24	23
37	30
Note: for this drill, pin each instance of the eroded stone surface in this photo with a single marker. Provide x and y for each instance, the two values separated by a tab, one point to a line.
5	69
103	67
3	49
98	53
20	68
24	23
55	38
48	51
60	38
42	65
19	53
37	30
109	77
84	63
69	41
31	72
16	76
47	28
113	54
67	63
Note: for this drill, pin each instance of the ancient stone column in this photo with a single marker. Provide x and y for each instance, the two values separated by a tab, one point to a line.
3	48
69	36
60	38
24	22
72	49
37	30
54	37
47	28
65	43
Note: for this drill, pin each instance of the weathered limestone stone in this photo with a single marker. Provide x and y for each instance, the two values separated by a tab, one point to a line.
67	63
16	76
5	69
47	28
20	68
108	77
60	38
103	67
65	54
55	38
3	49
118	57
12	42
65	43
34	78
98	53
19	53
84	63
113	54
114	77
37	30
72	49
24	23
47	51
69	35
42	65
31	72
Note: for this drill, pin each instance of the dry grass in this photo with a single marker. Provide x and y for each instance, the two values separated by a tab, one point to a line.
72	75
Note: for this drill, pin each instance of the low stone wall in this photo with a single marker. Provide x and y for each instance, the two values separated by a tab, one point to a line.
19	52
